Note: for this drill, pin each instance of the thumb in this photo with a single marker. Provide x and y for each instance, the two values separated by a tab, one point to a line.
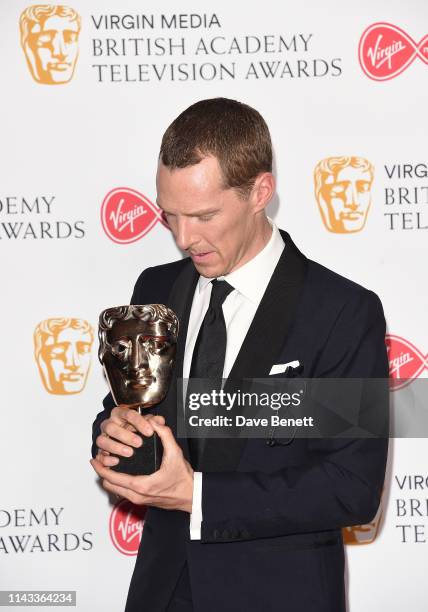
166	436
156	418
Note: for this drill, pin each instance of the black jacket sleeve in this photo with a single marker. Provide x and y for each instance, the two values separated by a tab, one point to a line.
341	481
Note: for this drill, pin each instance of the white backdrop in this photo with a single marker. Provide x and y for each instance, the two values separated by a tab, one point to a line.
67	145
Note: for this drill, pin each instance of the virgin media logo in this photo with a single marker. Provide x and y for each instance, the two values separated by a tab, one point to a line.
406	362
126	527
385	51
127	215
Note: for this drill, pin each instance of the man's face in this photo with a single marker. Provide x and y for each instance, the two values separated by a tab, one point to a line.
346	197
64	361
54	49
138	361
212	224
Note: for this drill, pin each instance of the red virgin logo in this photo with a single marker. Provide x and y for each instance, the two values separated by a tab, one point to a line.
126	527
385	51
406	362
127	215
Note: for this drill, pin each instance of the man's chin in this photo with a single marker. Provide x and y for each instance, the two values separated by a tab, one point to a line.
204	270
210	271
208	267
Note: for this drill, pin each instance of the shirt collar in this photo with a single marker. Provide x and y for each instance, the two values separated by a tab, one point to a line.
252	278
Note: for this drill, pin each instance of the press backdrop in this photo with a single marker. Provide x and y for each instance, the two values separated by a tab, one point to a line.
87	92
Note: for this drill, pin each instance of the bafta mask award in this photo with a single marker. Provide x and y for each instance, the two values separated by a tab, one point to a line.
137	351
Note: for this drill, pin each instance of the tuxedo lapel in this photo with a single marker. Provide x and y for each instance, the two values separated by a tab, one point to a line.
262	344
268	330
180	301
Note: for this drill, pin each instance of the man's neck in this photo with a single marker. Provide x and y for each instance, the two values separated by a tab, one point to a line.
262	237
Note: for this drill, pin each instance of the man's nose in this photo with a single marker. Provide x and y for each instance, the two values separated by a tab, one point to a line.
351	196
139	356
183	234
58	46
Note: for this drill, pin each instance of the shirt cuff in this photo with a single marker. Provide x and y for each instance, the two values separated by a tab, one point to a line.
196	516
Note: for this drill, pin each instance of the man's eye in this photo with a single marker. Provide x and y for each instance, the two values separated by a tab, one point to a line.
205	218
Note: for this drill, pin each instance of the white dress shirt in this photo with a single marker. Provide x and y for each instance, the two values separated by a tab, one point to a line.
249	283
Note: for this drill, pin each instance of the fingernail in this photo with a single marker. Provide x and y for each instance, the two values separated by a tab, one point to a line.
137	441
128	451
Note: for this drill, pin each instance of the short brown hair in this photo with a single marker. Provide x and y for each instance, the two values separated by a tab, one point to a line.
233	132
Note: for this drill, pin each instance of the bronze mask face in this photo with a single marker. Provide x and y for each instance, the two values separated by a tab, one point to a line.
137	350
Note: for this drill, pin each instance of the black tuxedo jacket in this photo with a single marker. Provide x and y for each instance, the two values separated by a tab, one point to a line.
272	515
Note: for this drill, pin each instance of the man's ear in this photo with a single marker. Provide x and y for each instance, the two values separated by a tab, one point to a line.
262	191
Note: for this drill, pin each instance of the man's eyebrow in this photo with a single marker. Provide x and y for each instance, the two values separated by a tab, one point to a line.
202	213
196	213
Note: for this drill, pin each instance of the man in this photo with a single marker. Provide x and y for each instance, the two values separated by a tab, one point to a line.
49	39
257	526
343	192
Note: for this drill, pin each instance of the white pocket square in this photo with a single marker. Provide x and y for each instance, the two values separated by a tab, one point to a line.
279	368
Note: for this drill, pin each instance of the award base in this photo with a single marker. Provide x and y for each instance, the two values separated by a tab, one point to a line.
145	460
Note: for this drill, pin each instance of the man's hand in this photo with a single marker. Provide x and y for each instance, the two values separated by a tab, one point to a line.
121	425
170	488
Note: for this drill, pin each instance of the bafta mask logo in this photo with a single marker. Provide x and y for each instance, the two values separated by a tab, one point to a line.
49	39
363	534
343	192
62	348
